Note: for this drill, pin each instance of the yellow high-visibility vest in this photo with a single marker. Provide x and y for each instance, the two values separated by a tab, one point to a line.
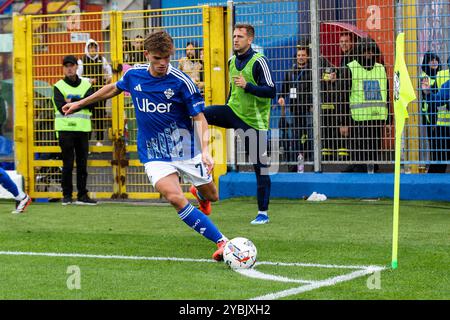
368	97
79	121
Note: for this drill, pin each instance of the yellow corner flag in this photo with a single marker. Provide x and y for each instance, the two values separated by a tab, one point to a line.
403	88
403	94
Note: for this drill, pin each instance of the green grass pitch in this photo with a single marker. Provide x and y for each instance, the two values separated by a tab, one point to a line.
335	232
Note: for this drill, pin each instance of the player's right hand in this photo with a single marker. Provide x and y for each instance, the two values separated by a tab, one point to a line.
70	108
208	161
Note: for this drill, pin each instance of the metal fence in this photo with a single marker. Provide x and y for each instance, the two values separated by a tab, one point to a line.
6	98
332	62
337	114
41	42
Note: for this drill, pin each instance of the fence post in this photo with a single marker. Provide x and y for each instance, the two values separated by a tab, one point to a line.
409	16
117	134
231	145
216	67
21	101
315	46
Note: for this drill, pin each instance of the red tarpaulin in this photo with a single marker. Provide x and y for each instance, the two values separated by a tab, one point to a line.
329	39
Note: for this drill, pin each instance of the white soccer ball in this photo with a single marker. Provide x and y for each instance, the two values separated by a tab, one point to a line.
240	253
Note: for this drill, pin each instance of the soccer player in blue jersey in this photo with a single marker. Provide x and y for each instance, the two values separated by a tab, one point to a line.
169	144
22	199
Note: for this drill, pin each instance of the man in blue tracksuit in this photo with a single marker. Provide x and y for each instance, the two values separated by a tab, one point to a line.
248	107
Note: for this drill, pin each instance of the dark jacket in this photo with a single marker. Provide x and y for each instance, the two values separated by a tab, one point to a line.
297	90
300	80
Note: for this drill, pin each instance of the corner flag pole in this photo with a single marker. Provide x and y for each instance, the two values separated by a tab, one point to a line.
403	94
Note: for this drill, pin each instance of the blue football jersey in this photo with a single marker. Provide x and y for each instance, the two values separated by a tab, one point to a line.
164	107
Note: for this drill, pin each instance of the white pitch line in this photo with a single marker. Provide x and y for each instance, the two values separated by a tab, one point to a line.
310	285
119	257
255	274
314	265
319	284
95	256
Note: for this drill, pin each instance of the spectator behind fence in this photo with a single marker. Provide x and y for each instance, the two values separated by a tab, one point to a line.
438	104
296	92
191	64
347	46
365	106
127	49
137	54
96	68
73	131
431	65
443	75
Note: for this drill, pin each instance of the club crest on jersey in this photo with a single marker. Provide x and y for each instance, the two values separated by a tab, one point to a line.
169	93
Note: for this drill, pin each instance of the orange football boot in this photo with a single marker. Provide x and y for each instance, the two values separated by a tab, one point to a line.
204	205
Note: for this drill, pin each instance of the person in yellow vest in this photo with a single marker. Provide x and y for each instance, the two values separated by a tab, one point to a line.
443	75
73	130
365	106
347	44
439	104
431	68
248	108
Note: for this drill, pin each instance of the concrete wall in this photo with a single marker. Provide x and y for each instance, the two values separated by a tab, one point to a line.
340	185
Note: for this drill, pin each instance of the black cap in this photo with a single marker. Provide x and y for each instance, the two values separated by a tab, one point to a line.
70	59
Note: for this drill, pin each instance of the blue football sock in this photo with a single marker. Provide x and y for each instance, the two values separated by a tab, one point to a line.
197	220
8	184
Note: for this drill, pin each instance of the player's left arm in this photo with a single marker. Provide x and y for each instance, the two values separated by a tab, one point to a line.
265	86
202	131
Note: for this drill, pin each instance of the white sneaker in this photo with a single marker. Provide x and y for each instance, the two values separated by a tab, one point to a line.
22	205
